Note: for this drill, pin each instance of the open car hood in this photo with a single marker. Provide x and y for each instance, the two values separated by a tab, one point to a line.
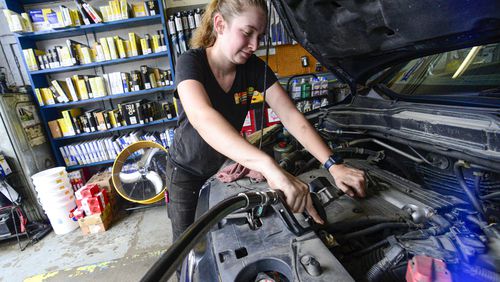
355	39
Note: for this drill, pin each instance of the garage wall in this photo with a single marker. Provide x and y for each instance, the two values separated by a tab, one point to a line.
285	60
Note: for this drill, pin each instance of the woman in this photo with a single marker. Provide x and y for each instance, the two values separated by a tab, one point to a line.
212	81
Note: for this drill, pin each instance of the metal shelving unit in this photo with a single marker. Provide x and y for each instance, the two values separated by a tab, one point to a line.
99	64
81	30
128	127
40	79
110	97
74	167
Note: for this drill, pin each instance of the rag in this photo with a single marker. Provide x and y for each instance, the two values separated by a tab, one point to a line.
236	171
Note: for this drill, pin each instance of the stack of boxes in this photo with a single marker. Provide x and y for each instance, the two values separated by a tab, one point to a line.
94	210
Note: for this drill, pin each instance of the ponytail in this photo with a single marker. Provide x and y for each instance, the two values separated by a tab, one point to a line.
205	35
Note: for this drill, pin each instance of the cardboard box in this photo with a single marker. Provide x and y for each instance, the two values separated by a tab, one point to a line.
104	181
96	223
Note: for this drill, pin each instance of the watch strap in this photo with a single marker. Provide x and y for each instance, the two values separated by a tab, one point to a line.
333	160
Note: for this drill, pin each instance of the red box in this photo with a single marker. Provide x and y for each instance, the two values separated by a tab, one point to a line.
79	203
249	124
87	191
93	186
271	117
103	197
77	213
92	205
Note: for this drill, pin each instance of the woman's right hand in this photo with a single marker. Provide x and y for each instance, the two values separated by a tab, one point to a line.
296	192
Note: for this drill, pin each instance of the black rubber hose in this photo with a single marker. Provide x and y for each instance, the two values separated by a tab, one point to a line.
457	169
494	195
287	162
309	164
391	258
441	226
477	184
346	226
171	259
356	150
479	223
369	248
385	145
372	229
484	164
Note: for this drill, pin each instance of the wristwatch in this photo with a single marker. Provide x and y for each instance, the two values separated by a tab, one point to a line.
333	160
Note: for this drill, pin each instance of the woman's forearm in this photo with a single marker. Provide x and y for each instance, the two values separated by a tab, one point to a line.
218	132
221	136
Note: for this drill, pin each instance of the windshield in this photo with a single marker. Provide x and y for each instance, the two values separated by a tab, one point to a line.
471	70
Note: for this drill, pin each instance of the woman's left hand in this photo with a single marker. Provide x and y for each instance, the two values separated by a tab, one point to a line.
349	180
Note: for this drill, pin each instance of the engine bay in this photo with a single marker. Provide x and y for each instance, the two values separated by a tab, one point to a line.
415	218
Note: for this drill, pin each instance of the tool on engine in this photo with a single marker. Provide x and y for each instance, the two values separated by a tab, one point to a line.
288	218
322	193
324	190
255	214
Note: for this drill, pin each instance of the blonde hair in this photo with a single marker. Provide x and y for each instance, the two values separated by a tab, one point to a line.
205	34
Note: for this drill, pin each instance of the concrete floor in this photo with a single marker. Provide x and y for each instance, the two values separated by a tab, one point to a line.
123	253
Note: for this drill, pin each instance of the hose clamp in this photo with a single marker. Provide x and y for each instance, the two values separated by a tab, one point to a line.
246	197
264	198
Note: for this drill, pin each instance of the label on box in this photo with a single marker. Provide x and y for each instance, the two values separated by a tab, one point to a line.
94	228
87	191
103	197
92	205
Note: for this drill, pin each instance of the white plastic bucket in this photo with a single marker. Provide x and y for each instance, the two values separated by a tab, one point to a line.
50	201
48	182
66	205
51	195
49	174
59	217
54	190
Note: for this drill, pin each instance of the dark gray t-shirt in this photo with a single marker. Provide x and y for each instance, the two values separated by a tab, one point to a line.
189	150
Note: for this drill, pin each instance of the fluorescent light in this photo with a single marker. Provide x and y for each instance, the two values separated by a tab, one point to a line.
468	60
